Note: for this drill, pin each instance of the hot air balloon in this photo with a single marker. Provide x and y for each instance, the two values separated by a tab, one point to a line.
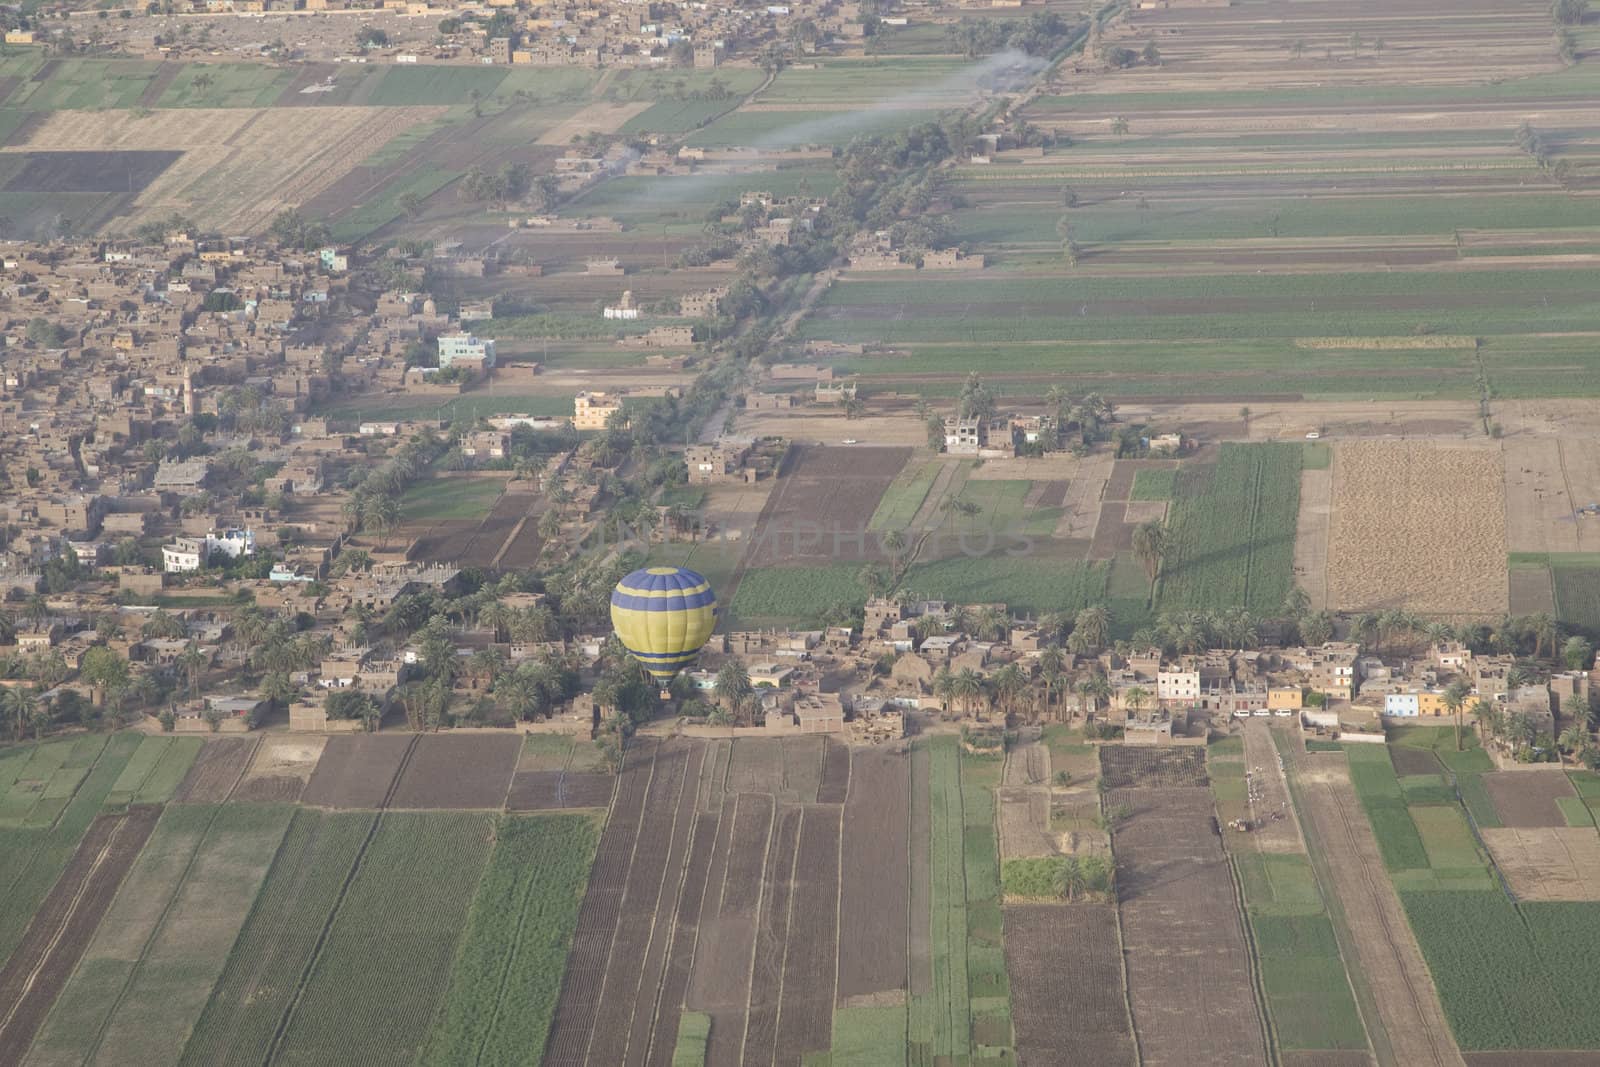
663	615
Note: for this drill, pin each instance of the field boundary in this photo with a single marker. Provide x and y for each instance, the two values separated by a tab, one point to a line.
155	930
1269	1025
338	904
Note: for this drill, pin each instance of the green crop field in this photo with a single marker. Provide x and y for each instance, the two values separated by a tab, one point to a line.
1372	774
801	595
187	950
694	1039
847	83
376	983
901	501
233	85
1445	836
155	770
32	858
677	116
1308	995
1002	512
786	129
1510	976
949	1007
1577	586
1026	586
1156	484
86	84
406	86
384	208
447	497
1232	530
503	988
264	969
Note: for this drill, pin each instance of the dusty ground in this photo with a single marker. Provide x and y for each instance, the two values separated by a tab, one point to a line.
1547	479
1528	798
1025	802
1548	862
1409	1014
282	766
1311	535
594	118
1276	829
798	424
1183	936
1067	991
1417	526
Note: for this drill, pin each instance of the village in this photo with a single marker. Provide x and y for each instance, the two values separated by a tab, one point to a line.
496	32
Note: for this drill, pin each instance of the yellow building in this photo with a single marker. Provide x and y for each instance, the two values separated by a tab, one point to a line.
1431	702
591	410
1285	698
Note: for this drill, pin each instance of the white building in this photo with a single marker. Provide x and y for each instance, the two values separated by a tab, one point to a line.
232	543
185	554
465	347
1177	685
1402	705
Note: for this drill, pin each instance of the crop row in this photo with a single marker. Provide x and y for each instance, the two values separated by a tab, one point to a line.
375	986
271	954
504	985
1233	531
31	859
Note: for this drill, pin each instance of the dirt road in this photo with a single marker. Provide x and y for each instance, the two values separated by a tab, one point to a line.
1410	1029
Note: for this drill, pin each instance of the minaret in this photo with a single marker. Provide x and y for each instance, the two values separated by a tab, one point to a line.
188	390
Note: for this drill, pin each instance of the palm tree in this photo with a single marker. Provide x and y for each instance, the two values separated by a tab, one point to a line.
1484	713
1150	545
944	683
1008	681
1094	623
1365	628
381	513
1575	739
1454	697
966	687
1069	881
193	661
1051	665
733	684
21	702
1135	698
1545	632
992	622
497	616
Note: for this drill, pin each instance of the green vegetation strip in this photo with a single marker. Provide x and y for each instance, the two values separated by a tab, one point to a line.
276	943
503	987
694	1039
1233	530
31	859
376	983
1155	484
1510	975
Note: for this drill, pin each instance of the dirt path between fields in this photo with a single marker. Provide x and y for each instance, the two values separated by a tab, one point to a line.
1409	1014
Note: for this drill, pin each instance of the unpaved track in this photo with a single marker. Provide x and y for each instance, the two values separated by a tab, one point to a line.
1407	1004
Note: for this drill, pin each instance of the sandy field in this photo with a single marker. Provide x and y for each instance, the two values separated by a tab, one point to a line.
1418	526
594	118
1311	535
240	166
1547	479
1548	862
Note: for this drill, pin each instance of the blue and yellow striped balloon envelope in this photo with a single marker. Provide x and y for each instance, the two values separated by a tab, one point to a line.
663	615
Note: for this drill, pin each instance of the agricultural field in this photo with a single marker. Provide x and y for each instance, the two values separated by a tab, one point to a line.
1233	530
1182	931
1499	928
1419	525
783	928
